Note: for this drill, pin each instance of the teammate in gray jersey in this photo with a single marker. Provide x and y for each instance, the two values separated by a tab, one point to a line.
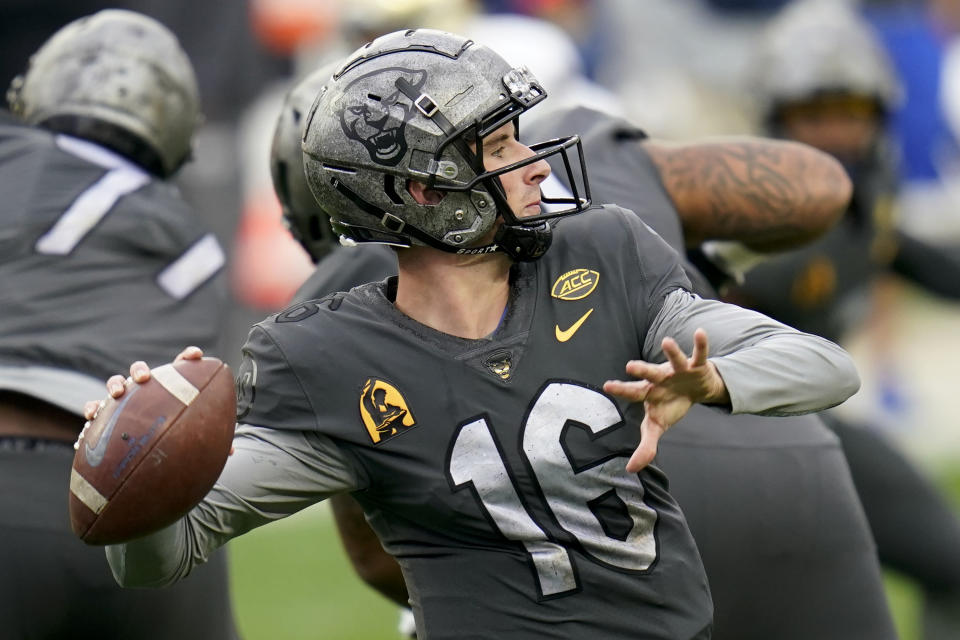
757	575
472	404
100	260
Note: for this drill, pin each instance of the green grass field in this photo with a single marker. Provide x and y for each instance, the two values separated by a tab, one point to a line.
292	581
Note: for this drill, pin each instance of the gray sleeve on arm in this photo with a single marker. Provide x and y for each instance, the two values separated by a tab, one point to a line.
768	367
271	474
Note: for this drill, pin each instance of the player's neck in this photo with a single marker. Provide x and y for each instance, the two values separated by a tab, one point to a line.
462	296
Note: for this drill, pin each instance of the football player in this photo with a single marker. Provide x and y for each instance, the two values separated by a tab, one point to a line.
754	581
99	259
824	79
472	403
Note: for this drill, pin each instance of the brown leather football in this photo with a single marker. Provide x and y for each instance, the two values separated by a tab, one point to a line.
151	455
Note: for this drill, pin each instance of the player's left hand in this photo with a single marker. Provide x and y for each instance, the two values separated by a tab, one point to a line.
667	391
139	373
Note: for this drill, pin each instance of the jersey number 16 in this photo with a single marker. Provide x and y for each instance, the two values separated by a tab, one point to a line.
476	459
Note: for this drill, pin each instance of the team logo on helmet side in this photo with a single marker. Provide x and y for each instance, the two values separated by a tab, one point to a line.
575	284
384	411
377	121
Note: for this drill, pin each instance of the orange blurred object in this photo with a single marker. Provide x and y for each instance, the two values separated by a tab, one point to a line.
283	26
268	264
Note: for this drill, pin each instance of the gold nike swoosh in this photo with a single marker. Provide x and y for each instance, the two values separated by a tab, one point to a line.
564	335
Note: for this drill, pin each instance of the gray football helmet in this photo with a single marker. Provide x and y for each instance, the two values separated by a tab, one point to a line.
816	50
821	47
112	70
307	221
407	106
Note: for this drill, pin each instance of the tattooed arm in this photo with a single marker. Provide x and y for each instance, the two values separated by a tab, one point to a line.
767	194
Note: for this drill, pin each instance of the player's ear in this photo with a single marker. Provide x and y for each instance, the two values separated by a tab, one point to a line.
422	194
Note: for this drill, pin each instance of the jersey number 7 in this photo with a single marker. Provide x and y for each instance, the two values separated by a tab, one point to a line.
197	264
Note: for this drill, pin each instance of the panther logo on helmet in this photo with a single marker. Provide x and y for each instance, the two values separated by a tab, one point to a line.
378	121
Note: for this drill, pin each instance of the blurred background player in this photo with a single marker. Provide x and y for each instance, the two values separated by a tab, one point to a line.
751	465
825	80
100	258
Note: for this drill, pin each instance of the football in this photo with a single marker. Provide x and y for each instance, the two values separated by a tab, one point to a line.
150	455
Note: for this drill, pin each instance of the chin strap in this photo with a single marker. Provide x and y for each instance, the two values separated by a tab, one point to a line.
524	244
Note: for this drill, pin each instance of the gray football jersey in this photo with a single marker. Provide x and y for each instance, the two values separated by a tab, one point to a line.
493	469
101	264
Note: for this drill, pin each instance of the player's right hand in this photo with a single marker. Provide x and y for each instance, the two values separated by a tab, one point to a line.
667	391
139	373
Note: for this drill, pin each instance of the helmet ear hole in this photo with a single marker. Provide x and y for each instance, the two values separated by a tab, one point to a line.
423	195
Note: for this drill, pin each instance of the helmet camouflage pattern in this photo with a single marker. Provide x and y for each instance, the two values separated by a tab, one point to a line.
119	68
302	214
408	106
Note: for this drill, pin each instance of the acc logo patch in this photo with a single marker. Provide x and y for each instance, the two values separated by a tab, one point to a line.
575	285
384	410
